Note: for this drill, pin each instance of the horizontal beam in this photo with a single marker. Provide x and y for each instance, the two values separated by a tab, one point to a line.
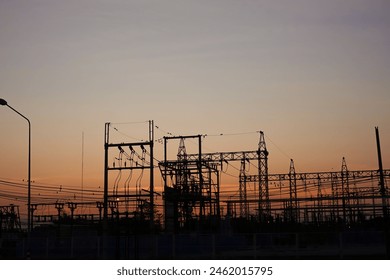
189	164
226	156
305	199
320	175
182	137
130	144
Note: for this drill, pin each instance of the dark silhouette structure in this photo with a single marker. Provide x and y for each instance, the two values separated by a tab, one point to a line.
338	214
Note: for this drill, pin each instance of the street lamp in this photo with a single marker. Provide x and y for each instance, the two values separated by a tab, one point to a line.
4	103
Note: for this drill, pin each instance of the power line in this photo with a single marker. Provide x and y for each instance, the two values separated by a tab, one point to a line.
284	153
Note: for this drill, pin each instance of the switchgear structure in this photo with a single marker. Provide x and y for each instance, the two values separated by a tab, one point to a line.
129	200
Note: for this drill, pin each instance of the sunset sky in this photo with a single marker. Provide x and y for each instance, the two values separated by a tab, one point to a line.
313	75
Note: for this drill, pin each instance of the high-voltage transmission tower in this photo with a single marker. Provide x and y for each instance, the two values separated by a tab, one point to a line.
191	188
264	204
292	207
338	205
245	157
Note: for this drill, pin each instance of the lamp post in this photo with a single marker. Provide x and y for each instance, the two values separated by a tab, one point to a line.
4	103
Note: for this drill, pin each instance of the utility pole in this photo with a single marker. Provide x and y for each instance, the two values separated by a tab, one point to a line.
381	176
383	193
105	201
151	198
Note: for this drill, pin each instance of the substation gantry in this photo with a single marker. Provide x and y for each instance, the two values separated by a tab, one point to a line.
193	197
133	200
339	196
192	184
9	218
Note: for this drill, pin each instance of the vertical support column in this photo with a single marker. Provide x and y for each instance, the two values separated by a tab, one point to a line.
217	197
243	197
345	190
320	212
211	210
381	176
105	200
29	182
202	205
170	195
59	207
72	206
182	186
100	207
335	196
151	140
383	192
105	191
1	222
264	202
33	207
293	193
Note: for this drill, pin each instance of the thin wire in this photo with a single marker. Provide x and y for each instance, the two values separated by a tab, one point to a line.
126	135
284	153
166	132
231	175
231	134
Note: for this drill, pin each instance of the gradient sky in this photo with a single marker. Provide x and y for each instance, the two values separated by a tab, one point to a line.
313	75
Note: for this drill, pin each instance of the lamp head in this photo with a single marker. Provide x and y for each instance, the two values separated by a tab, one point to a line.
3	102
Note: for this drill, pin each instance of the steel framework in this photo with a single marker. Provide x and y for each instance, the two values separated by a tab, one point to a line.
9	218
194	200
133	201
191	188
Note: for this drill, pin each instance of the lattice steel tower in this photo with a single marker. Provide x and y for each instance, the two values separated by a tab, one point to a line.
264	202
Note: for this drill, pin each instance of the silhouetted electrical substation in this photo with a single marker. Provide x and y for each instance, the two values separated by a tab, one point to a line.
192	214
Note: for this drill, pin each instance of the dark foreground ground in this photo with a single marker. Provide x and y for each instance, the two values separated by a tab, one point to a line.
85	244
